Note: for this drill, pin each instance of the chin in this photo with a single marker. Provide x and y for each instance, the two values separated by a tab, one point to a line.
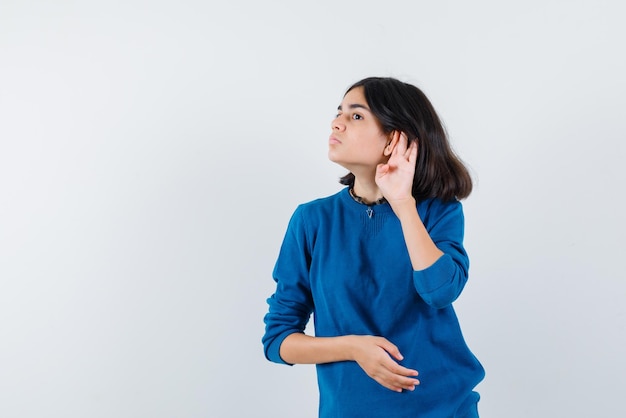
334	159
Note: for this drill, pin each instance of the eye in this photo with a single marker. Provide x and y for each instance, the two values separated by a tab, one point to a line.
356	116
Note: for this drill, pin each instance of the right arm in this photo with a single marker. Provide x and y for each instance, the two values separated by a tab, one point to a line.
289	310
375	355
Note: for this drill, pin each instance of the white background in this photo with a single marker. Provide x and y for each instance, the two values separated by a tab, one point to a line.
151	153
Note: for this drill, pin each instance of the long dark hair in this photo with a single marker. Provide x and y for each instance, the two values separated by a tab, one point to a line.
439	172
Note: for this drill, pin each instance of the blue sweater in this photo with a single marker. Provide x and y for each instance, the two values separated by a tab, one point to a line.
349	266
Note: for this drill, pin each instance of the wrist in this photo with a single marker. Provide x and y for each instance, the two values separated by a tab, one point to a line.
403	207
347	344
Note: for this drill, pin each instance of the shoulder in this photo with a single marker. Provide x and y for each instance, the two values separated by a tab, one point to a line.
320	205
435	211
316	211
438	205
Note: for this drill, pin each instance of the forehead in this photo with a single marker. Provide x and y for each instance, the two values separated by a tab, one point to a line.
354	99
355	96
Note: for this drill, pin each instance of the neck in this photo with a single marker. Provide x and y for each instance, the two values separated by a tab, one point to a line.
367	190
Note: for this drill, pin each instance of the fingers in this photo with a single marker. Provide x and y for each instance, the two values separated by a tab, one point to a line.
409	150
401	144
389	347
402	371
382	169
402	147
399	385
378	357
399	370
396	377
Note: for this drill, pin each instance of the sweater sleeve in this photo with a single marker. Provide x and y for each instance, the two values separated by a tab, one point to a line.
291	305
440	284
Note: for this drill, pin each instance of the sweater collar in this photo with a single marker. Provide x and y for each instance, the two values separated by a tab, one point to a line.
352	204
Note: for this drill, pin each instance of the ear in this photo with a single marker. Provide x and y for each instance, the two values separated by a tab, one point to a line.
392	141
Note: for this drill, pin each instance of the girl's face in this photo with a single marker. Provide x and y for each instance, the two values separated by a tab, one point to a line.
357	141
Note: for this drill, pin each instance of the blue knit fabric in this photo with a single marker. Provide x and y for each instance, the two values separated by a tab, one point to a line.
352	270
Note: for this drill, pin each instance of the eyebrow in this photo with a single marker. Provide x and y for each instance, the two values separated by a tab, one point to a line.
355	106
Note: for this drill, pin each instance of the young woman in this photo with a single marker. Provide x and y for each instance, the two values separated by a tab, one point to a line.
379	264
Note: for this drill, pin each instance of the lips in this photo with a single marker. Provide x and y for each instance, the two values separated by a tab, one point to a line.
333	140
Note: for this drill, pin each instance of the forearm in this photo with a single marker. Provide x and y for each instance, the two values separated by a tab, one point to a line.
299	348
422	250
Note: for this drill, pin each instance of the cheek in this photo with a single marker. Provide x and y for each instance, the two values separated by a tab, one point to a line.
374	149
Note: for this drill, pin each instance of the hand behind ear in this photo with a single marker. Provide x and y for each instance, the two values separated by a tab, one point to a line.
394	139
395	178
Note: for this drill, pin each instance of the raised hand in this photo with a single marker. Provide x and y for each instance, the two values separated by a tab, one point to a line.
376	356
395	178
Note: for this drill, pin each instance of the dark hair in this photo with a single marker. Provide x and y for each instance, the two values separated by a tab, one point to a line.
439	172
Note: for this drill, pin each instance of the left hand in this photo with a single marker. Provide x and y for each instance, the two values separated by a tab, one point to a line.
395	178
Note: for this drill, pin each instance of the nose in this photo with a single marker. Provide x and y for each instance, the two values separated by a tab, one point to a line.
337	124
